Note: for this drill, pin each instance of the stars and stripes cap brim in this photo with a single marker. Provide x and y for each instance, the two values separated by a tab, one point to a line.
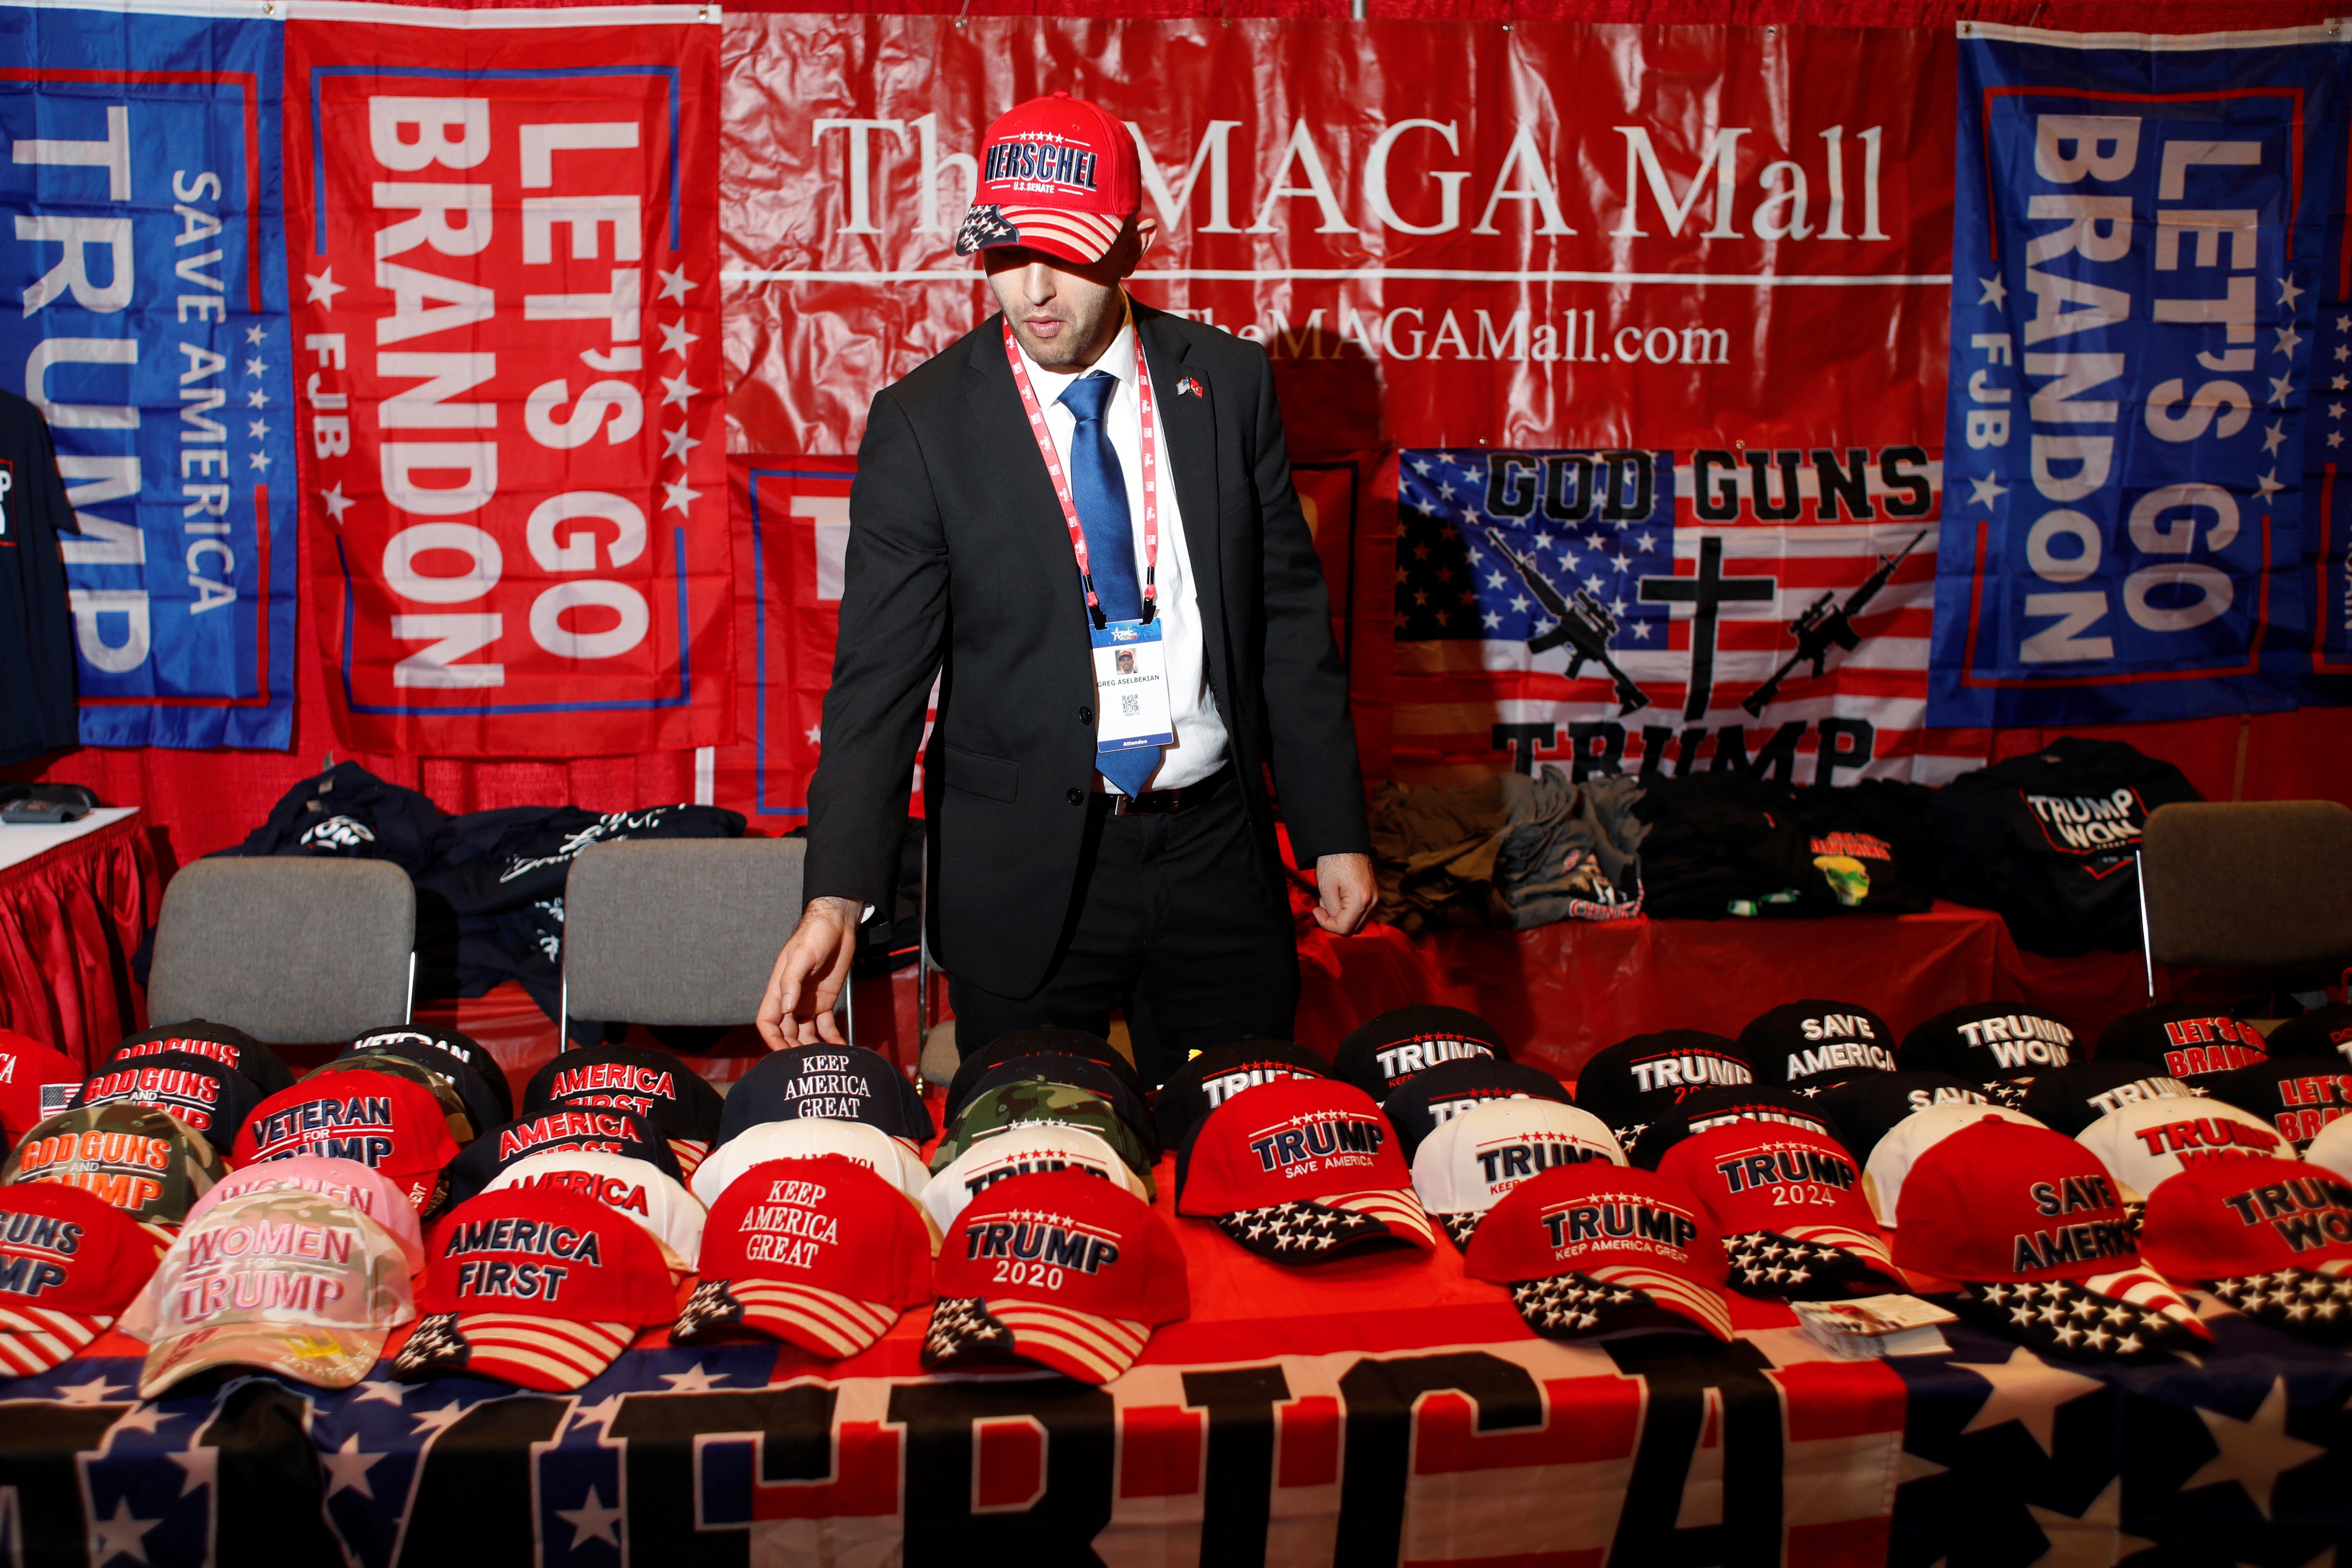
824	1322
1811	1262
1080	1345
2104	1317
690	1153
553	1355
307	1352
2310	1303
33	1341
1312	1230
1459	1224
1080	236
1619	1299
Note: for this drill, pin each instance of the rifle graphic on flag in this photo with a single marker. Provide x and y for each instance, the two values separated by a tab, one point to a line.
1822	627
1586	626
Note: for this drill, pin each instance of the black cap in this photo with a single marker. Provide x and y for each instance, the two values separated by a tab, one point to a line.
455	1043
483	1107
232	1048
606	1129
1435	1097
2071	1098
1077	1072
1637	1080
1378	1055
2297	1095
2184	1041
1705	1107
1991	1042
1869	1104
1817	1042
2324	1031
1217	1073
834	1083
965	1085
207	1094
655	1084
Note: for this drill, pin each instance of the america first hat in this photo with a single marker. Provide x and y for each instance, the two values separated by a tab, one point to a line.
380	1120
69	1265
1434	1097
1059	1269
1301	1171
230	1046
977	1064
1633	1083
809	1138
35	1083
543	1289
1467	1165
1058	174
139	1158
1787	1202
345	1181
1023	1150
2071	1098
1890	1161
207	1095
1035	1100
838	1083
2184	1041
1705	1107
1868	1106
2272	1237
1596	1251
822	1253
462	1126
1989	1042
1388	1051
655	1084
2147	1143
657	1201
1215	1076
2322	1031
2297	1095
451	1043
603	1128
1817	1041
448	1072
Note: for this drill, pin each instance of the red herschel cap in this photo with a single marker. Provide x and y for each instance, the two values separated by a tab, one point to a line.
1299	1171
1058	174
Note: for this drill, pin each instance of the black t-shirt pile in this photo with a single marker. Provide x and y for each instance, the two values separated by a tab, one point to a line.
1731	844
349	813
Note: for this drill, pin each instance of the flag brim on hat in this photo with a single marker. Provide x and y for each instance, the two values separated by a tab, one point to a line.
1080	1345
2312	1303
1082	237
1459	1224
1806	1262
553	1355
823	1322
1619	1299
690	1153
33	1340
2098	1317
1312	1230
307	1352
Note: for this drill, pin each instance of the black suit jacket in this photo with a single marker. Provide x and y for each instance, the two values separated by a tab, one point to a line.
959	564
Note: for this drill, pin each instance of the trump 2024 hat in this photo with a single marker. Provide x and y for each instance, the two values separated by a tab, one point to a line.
2187	1042
2146	1144
1062	1269
1023	1151
345	1181
1434	1097
1221	1072
70	1264
1386	1053
384	1121
1301	1172
1817	1042
1789	1204
141	1158
209	1096
600	1129
1989	1042
542	1290
230	1046
837	1083
1473	1160
2026	1227
285	1280
810	1138
660	1202
1595	1251
1058	174
1637	1080
822	1253
2272	1237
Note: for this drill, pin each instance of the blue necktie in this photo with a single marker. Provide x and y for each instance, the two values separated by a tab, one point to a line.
1099	486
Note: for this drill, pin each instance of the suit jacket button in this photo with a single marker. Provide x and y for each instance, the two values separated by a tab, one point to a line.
1074	796
1085	715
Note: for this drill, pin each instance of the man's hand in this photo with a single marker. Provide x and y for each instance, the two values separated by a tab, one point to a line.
1348	892
809	976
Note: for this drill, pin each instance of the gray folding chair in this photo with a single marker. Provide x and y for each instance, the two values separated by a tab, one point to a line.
2252	884
677	931
291	950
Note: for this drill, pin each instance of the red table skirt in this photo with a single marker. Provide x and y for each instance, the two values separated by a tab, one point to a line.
70	921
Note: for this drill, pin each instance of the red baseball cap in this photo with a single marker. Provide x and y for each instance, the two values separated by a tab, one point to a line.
822	1252
35	1083
2272	1237
1593	1251
2027	1227
1058	174
387	1123
70	1263
1300	1171
536	1286
1788	1203
1061	1268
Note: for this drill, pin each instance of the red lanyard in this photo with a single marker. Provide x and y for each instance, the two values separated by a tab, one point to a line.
1062	480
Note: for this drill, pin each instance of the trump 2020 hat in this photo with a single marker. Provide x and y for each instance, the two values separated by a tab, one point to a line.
1301	1171
1023	1150
2072	1098
1434	1097
2272	1237
822	1253
345	1181
2184	1041
838	1083
1714	1107
1816	1042
1386	1053
230	1046
1473	1160
1061	1270
288	1281
1869	1105
69	1265
1058	174
2025	1226
207	1095
542	1290
2297	1095
602	1129
659	1202
1216	1075
1787	1202
1595	1251
809	1138
139	1158
450	1043
35	1083
2146	1144
2322	1031
380	1120
1989	1042
1635	1081
1890	1161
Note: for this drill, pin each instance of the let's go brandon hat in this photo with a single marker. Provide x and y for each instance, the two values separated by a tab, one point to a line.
2184	1041
209	1096
2297	1095
450	1043
69	1265
2071	1098
35	1083
542	1290
1215	1076
1058	174
1388	1051
602	1129
1989	1042
1062	1269
1465	1167
660	1202
1816	1042
1023	1151
2147	1143
1787	1202
231	1048
822	1253
809	1138
380	1120
139	1158
838	1083
2272	1237
1637	1080
1301	1171
345	1181
1595	1251
1434	1097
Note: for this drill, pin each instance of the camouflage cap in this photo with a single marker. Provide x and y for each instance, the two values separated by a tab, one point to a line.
141	1158
462	1127
1039	1100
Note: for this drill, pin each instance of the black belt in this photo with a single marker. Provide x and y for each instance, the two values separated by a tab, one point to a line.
1167	802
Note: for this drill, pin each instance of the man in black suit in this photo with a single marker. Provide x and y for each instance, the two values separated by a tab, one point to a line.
1080	517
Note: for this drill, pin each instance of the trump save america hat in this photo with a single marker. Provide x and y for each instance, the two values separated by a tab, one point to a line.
2071	1098
1215	1076
809	1138
384	1121
1301	1171
1434	1097
1057	174
1595	1251
839	1083
1633	1083
542	1290
345	1181
2272	1237
2183	1041
659	1202
139	1158
822	1253
1062	1269
451	1043
70	1264
598	1128
1473	1160
1386	1053
1789	1204
232	1048
1817	1042
209	1096
1991	1042
2147	1143
1023	1151
35	1083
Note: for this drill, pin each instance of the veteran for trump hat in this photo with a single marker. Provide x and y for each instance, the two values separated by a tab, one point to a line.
209	1096
1467	1165
1058	174
461	1123
139	1158
450	1043
380	1120
1789	1204
451	1078
1387	1052
1595	1251
838	1083
1301	1171
70	1264
2272	1237
1022	1043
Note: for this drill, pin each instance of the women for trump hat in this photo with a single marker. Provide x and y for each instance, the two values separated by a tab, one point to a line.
345	1181
69	1265
1595	1251
1467	1165
1058	174
822	1253
1301	1172
1789	1204
139	1158
1062	1269
381	1121
2272	1237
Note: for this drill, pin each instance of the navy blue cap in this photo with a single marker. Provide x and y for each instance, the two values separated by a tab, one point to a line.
448	1042
207	1094
1705	1107
1868	1105
833	1083
1817	1042
629	1077
1385	1053
483	1107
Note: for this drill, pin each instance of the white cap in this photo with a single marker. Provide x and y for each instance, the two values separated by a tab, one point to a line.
637	1188
808	1138
2333	1147
1018	1151
1890	1161
2144	1142
1466	1166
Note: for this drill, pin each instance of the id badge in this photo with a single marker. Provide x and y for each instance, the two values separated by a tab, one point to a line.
1131	687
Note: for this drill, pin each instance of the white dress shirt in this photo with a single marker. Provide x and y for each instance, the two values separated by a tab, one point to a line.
1200	745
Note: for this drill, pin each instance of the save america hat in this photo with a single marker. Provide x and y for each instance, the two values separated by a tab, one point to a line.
542	1290
1035	1100
2147	1143
230	1046
809	1138
2183	1041
1817	1042
209	1096
1058	174
1215	1076
345	1181
1595	1251
1388	1051
1473	1160
1890	1161
1061	1270
600	1127
2071	1098
139	1158
1023	1150
1633	1083
660	1202
840	1083
380	1120
1434	1098
822	1253
2272	1237
35	1083
1991	1042
70	1264
2297	1095
1869	1105
452	1043
1301	1171
1789	1204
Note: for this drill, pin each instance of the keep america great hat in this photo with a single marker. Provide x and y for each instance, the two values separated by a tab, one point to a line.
837	1083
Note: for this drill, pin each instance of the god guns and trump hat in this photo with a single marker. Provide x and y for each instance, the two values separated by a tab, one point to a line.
231	1048
1595	1251
1301	1171
207	1095
1058	174
139	1158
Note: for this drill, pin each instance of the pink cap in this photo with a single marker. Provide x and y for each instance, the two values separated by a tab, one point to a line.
367	1190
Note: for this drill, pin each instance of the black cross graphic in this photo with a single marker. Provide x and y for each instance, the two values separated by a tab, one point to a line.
1707	590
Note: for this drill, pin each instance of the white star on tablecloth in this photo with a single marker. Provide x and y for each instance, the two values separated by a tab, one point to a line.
591	1521
347	1468
2252	1453
2026	1390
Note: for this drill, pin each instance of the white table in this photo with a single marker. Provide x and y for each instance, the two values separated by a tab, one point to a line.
19	842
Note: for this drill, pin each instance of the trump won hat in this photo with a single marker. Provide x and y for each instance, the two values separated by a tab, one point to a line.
139	1158
69	1265
1595	1251
542	1290
1301	1171
2072	1098
1989	1042
381	1121
1058	174
1472	1160
1789	1204
821	1253
1062	1269
2148	1143
2272	1237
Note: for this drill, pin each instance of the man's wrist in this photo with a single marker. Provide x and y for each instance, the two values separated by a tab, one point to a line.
849	911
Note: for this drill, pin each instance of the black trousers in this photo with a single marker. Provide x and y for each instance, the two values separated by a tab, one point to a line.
1175	925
